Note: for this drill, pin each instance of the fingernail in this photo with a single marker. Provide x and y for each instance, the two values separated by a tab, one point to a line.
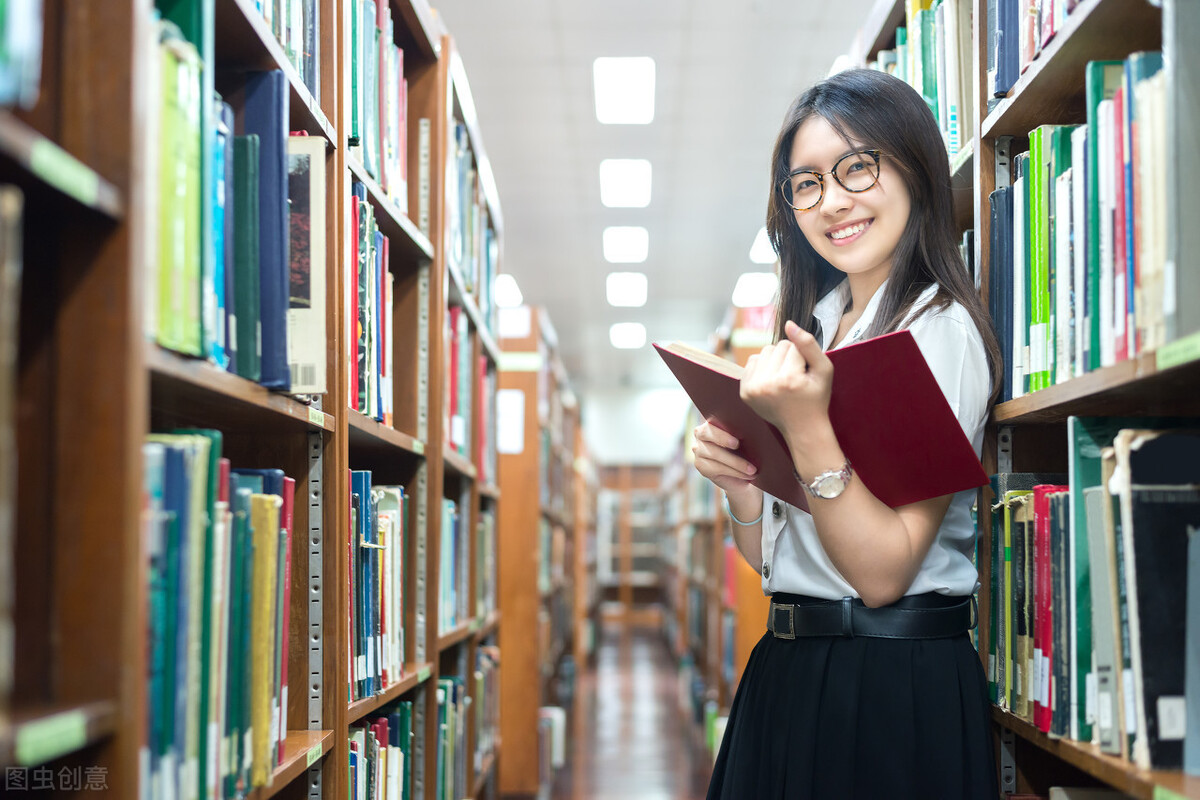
751	470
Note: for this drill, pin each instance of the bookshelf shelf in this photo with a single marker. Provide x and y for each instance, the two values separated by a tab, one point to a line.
370	434
418	19
1052	89
489	625
459	295
878	29
484	773
1130	388
414	676
245	42
490	491
43	162
1110	769
466	105
454	637
188	388
406	238
38	736
458	463
301	750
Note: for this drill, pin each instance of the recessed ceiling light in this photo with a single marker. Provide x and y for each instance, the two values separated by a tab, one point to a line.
505	291
625	182
624	90
627	335
626	245
754	289
761	251
626	289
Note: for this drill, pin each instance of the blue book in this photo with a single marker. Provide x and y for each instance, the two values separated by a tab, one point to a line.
176	488
262	481
214	300
266	114
360	484
1008	45
1138	67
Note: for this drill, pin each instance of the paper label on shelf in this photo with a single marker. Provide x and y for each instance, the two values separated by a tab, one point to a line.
314	753
1180	351
1163	793
66	173
530	361
515	323
423	674
418	447
1172	718
49	738
510	421
316	417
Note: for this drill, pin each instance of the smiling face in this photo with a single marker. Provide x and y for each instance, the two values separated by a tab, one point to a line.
855	232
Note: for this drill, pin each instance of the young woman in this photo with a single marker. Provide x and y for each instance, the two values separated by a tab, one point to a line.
865	685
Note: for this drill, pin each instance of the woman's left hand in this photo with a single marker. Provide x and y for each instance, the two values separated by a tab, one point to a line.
788	383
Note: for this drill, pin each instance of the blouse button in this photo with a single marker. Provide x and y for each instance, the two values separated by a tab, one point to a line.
766	570
776	510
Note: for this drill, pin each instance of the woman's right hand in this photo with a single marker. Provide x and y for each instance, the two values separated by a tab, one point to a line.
717	460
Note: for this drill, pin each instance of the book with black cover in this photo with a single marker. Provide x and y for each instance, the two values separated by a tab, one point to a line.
890	416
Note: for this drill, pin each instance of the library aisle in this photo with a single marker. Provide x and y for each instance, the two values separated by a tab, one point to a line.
628	739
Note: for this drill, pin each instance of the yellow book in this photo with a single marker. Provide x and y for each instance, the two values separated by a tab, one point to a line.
264	517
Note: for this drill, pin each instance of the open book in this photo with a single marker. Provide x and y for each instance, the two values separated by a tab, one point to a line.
890	416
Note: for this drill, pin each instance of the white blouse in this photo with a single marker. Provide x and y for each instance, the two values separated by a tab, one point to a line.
793	559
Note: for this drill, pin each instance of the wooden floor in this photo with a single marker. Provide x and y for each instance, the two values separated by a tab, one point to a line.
629	739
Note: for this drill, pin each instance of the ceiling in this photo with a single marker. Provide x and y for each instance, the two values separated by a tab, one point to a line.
726	71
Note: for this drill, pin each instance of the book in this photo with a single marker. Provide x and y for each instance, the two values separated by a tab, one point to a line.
245	328
306	341
12	203
1157	480
902	457
265	114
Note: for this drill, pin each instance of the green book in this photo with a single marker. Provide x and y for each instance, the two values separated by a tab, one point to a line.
1039	284
239	500
1056	154
246	289
1101	79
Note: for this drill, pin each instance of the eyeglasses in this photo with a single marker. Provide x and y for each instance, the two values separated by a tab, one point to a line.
856	172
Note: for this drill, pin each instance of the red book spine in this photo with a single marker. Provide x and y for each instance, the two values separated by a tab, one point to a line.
1043	603
481	427
1120	301
352	638
352	303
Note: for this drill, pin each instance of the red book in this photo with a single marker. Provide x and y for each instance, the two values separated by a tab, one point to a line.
1120	277
1043	604
286	517
352	302
482	422
890	417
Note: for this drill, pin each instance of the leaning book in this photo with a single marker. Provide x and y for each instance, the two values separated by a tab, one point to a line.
887	410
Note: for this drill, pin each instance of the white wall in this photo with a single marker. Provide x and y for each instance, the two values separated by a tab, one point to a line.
628	426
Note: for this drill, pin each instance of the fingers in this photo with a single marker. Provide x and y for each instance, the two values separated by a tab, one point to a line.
808	347
716	447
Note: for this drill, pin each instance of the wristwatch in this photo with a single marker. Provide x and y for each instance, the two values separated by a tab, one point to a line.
828	484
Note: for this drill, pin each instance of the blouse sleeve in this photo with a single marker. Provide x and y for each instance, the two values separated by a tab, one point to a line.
955	354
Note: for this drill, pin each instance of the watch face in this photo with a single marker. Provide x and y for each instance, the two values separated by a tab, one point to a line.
830	486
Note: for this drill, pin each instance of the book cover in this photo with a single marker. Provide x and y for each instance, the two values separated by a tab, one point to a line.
286	537
1157	478
901	457
1101	80
265	114
264	511
306	339
1043	634
1103	602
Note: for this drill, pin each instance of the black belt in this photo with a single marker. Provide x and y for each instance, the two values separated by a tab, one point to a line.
915	617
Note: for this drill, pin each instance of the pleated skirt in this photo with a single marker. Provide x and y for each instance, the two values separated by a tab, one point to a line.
836	718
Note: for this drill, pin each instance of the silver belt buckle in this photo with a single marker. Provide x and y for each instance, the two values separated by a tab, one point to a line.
791	611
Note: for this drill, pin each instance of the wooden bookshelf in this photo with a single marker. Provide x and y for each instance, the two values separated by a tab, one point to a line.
1051	91
545	528
90	386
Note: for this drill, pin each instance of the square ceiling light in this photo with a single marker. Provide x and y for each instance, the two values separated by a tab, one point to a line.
624	89
627	335
626	245
505	291
625	182
626	289
761	251
754	289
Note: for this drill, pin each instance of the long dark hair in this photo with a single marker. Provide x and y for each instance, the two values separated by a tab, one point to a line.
886	113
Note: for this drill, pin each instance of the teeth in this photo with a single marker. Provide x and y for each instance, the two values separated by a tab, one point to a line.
847	232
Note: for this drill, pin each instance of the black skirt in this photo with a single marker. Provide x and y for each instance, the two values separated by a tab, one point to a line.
835	718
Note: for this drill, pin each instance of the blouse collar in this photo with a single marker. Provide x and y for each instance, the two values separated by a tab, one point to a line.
829	310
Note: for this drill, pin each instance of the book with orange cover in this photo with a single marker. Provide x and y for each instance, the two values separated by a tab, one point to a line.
890	416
